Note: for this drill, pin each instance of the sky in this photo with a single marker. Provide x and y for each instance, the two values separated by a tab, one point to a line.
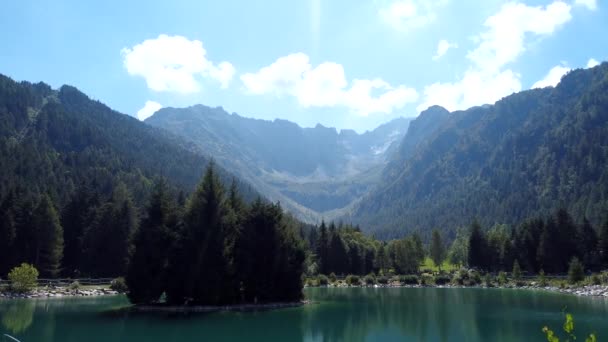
345	64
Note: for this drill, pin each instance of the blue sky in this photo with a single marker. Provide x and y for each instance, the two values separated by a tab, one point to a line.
348	64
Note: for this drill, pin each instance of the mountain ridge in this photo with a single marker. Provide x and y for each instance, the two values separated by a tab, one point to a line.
314	171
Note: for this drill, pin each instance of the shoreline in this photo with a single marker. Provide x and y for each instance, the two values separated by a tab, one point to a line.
59	292
598	291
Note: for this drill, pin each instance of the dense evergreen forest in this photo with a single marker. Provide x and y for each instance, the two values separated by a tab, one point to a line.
75	172
215	249
525	156
541	243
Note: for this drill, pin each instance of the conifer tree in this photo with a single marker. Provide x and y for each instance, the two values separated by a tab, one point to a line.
49	238
477	247
437	249
146	276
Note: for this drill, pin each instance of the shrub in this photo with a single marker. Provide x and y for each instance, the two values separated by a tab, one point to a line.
370	279
426	279
596	280
352	279
23	278
575	271
119	285
332	277
516	274
442	279
474	278
487	280
542	279
502	278
75	285
409	279
460	276
382	280
323	281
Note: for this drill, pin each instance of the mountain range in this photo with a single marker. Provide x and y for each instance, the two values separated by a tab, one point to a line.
317	173
525	156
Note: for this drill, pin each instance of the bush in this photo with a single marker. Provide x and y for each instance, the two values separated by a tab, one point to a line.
595	280
474	278
370	279
542	279
575	271
442	279
352	279
516	273
119	285
332	277
502	278
382	280
323	280
408	279
426	279
487	280
23	278
75	285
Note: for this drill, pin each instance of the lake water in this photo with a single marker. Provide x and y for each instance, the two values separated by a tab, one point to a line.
355	314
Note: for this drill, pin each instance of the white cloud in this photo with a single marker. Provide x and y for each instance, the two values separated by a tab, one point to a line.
552	78
503	41
473	89
326	86
407	15
488	78
174	64
442	47
590	4
592	63
149	108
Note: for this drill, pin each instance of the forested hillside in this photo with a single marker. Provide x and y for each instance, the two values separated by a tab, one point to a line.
75	173
527	155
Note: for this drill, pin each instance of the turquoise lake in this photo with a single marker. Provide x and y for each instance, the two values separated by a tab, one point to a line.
351	314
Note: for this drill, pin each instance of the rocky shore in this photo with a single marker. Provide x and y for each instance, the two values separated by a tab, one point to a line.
59	292
583	290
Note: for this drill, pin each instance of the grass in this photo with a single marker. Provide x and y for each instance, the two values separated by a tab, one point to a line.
429	266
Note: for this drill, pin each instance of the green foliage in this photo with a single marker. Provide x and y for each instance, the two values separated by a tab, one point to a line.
576	271
408	279
502	278
352	279
75	285
568	328
542	279
382	280
426	279
466	277
437	249
370	279
323	280
119	285
477	251
332	277
23	278
49	236
442	279
516	273
146	277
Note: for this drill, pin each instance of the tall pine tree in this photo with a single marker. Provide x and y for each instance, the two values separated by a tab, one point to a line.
49	238
146	276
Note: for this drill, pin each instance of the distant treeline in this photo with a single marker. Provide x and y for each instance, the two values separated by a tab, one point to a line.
546	244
